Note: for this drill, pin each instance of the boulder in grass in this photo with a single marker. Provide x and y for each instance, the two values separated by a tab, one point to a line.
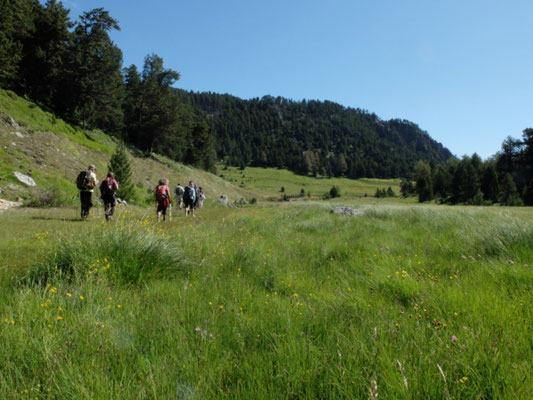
350	212
25	179
6	205
223	200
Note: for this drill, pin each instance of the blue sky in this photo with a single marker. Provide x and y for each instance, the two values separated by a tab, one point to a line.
461	70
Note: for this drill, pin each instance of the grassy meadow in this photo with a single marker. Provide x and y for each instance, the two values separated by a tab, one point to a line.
269	181
280	301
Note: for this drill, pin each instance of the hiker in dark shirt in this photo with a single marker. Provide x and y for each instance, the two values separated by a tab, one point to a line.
86	183
189	198
108	190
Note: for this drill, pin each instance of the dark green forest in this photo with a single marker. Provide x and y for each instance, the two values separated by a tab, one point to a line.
313	137
73	69
506	178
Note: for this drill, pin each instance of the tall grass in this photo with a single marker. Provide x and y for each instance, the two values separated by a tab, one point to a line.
128	252
283	302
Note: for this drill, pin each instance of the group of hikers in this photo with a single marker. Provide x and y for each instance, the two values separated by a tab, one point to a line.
189	197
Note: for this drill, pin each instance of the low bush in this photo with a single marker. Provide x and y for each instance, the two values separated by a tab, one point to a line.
47	198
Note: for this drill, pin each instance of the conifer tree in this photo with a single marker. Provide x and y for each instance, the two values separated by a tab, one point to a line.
424	186
489	183
509	194
120	166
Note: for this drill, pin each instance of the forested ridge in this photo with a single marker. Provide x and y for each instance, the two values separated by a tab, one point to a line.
313	137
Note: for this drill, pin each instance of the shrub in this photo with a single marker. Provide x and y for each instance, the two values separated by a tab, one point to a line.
57	193
335	192
121	253
47	198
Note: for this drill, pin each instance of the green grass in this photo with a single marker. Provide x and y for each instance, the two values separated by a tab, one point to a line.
28	114
270	181
274	302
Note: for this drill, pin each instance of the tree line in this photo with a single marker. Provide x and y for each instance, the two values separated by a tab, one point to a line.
313	137
74	69
506	178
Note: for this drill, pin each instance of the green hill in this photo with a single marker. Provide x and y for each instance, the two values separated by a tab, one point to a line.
313	137
36	143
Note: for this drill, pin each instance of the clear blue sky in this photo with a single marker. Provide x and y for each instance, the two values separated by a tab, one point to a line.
461	70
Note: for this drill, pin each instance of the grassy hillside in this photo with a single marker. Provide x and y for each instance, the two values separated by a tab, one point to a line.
52	152
404	301
269	181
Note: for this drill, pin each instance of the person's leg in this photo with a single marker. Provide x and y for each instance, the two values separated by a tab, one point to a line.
89	202
85	204
82	203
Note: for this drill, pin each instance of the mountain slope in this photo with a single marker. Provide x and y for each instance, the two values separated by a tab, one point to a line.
35	143
313	137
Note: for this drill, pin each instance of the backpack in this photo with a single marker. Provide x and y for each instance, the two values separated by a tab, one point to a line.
83	180
189	194
179	190
161	193
106	188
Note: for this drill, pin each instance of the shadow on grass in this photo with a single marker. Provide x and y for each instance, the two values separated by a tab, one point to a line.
63	219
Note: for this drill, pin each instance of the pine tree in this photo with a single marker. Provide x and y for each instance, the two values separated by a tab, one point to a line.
120	166
424	186
509	194
489	183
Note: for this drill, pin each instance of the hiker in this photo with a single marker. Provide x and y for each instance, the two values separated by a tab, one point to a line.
179	195
189	197
200	197
162	196
108	190
196	198
86	182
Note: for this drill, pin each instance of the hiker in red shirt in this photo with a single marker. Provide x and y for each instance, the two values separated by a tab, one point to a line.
162	196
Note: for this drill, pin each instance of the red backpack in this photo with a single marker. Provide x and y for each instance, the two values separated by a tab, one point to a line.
161	193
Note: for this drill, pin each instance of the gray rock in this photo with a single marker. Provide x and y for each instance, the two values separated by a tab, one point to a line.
20	135
351	212
223	200
13	123
12	186
25	179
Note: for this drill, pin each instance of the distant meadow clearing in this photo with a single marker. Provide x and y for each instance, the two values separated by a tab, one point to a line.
267	302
